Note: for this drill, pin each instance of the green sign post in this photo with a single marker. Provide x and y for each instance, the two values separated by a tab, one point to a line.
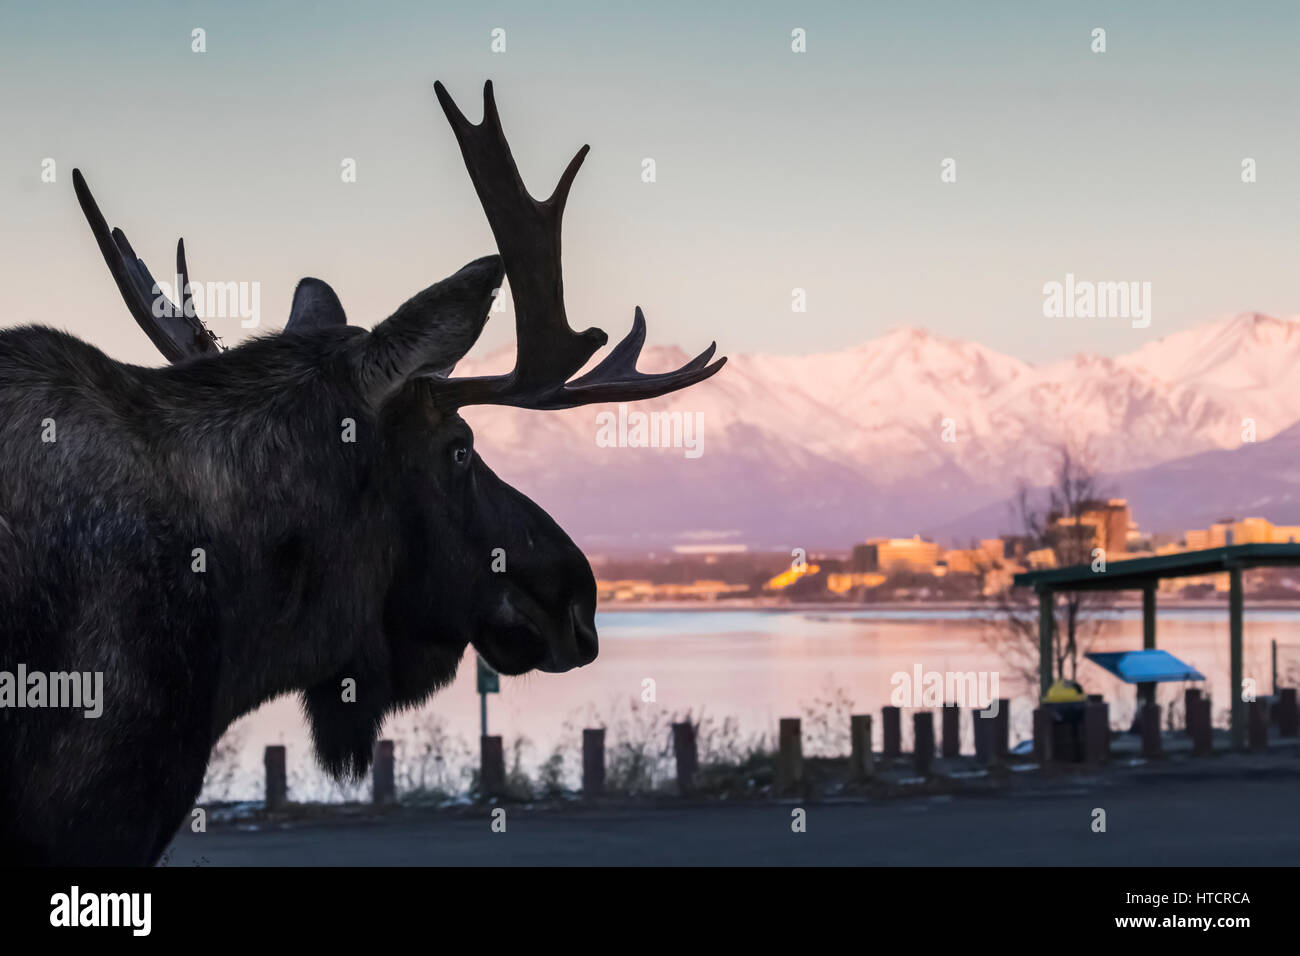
489	682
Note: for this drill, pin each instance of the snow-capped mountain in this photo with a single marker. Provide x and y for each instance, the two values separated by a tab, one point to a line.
901	434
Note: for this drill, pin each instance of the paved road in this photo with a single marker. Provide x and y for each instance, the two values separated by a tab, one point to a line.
1161	821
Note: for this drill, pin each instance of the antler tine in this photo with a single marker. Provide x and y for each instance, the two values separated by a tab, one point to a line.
178	334
492	116
640	386
622	358
204	337
527	233
616	378
182	270
560	195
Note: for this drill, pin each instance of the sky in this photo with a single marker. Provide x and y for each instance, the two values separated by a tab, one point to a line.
775	170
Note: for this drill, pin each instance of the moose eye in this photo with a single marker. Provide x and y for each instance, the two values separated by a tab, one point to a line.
460	454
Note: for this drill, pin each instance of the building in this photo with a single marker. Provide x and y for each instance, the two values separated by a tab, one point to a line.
1229	531
904	554
628	590
962	561
1041	559
844	583
864	559
790	576
1107	523
641	590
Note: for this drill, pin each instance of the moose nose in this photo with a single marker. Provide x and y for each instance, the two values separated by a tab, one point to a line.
584	633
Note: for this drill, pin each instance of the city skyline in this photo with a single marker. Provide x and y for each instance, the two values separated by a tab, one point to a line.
887	568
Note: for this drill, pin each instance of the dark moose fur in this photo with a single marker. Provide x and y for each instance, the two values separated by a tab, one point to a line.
325	560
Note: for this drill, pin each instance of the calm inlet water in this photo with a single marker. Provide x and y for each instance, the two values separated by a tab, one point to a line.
755	667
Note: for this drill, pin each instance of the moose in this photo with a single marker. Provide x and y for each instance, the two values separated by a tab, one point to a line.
297	513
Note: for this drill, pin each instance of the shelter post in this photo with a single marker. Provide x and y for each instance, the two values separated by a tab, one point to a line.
1046	618
1234	636
1147	691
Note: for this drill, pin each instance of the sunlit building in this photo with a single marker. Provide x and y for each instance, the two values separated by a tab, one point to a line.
961	561
1041	559
910	554
788	577
845	582
1107	525
1246	531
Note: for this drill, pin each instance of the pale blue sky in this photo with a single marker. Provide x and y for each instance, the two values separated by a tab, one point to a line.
775	170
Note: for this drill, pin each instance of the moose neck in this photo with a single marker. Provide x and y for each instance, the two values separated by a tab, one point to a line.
273	458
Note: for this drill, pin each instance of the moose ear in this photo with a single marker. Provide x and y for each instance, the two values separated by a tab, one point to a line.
433	330
315	306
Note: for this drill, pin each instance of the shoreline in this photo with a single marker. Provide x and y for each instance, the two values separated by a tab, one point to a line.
804	607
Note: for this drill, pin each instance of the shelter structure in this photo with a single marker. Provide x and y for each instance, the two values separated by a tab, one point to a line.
1145	575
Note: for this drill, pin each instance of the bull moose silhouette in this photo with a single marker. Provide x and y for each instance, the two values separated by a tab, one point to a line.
203	536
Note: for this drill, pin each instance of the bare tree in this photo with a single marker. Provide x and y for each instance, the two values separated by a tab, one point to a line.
1051	526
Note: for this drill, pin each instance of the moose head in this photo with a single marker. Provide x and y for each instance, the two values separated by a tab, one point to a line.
475	561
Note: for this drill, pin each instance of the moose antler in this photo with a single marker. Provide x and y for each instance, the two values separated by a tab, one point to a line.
177	332
527	233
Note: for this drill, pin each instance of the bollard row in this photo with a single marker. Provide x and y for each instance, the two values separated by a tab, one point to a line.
1084	740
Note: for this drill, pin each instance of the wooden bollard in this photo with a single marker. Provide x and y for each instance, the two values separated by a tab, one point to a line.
1288	715
986	737
789	758
277	781
1190	696
593	761
922	742
1257	725
1096	731
1042	735
951	731
688	761
860	755
1150	731
891	726
492	767
1202	730
385	786
1002	727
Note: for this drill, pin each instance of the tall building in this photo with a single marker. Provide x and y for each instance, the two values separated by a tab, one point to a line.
1101	524
865	559
1115	521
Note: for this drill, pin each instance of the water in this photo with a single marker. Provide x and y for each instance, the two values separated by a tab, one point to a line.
759	666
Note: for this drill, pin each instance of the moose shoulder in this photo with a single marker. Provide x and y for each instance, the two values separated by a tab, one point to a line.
277	517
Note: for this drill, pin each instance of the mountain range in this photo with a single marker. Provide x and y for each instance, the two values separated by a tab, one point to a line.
916	433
